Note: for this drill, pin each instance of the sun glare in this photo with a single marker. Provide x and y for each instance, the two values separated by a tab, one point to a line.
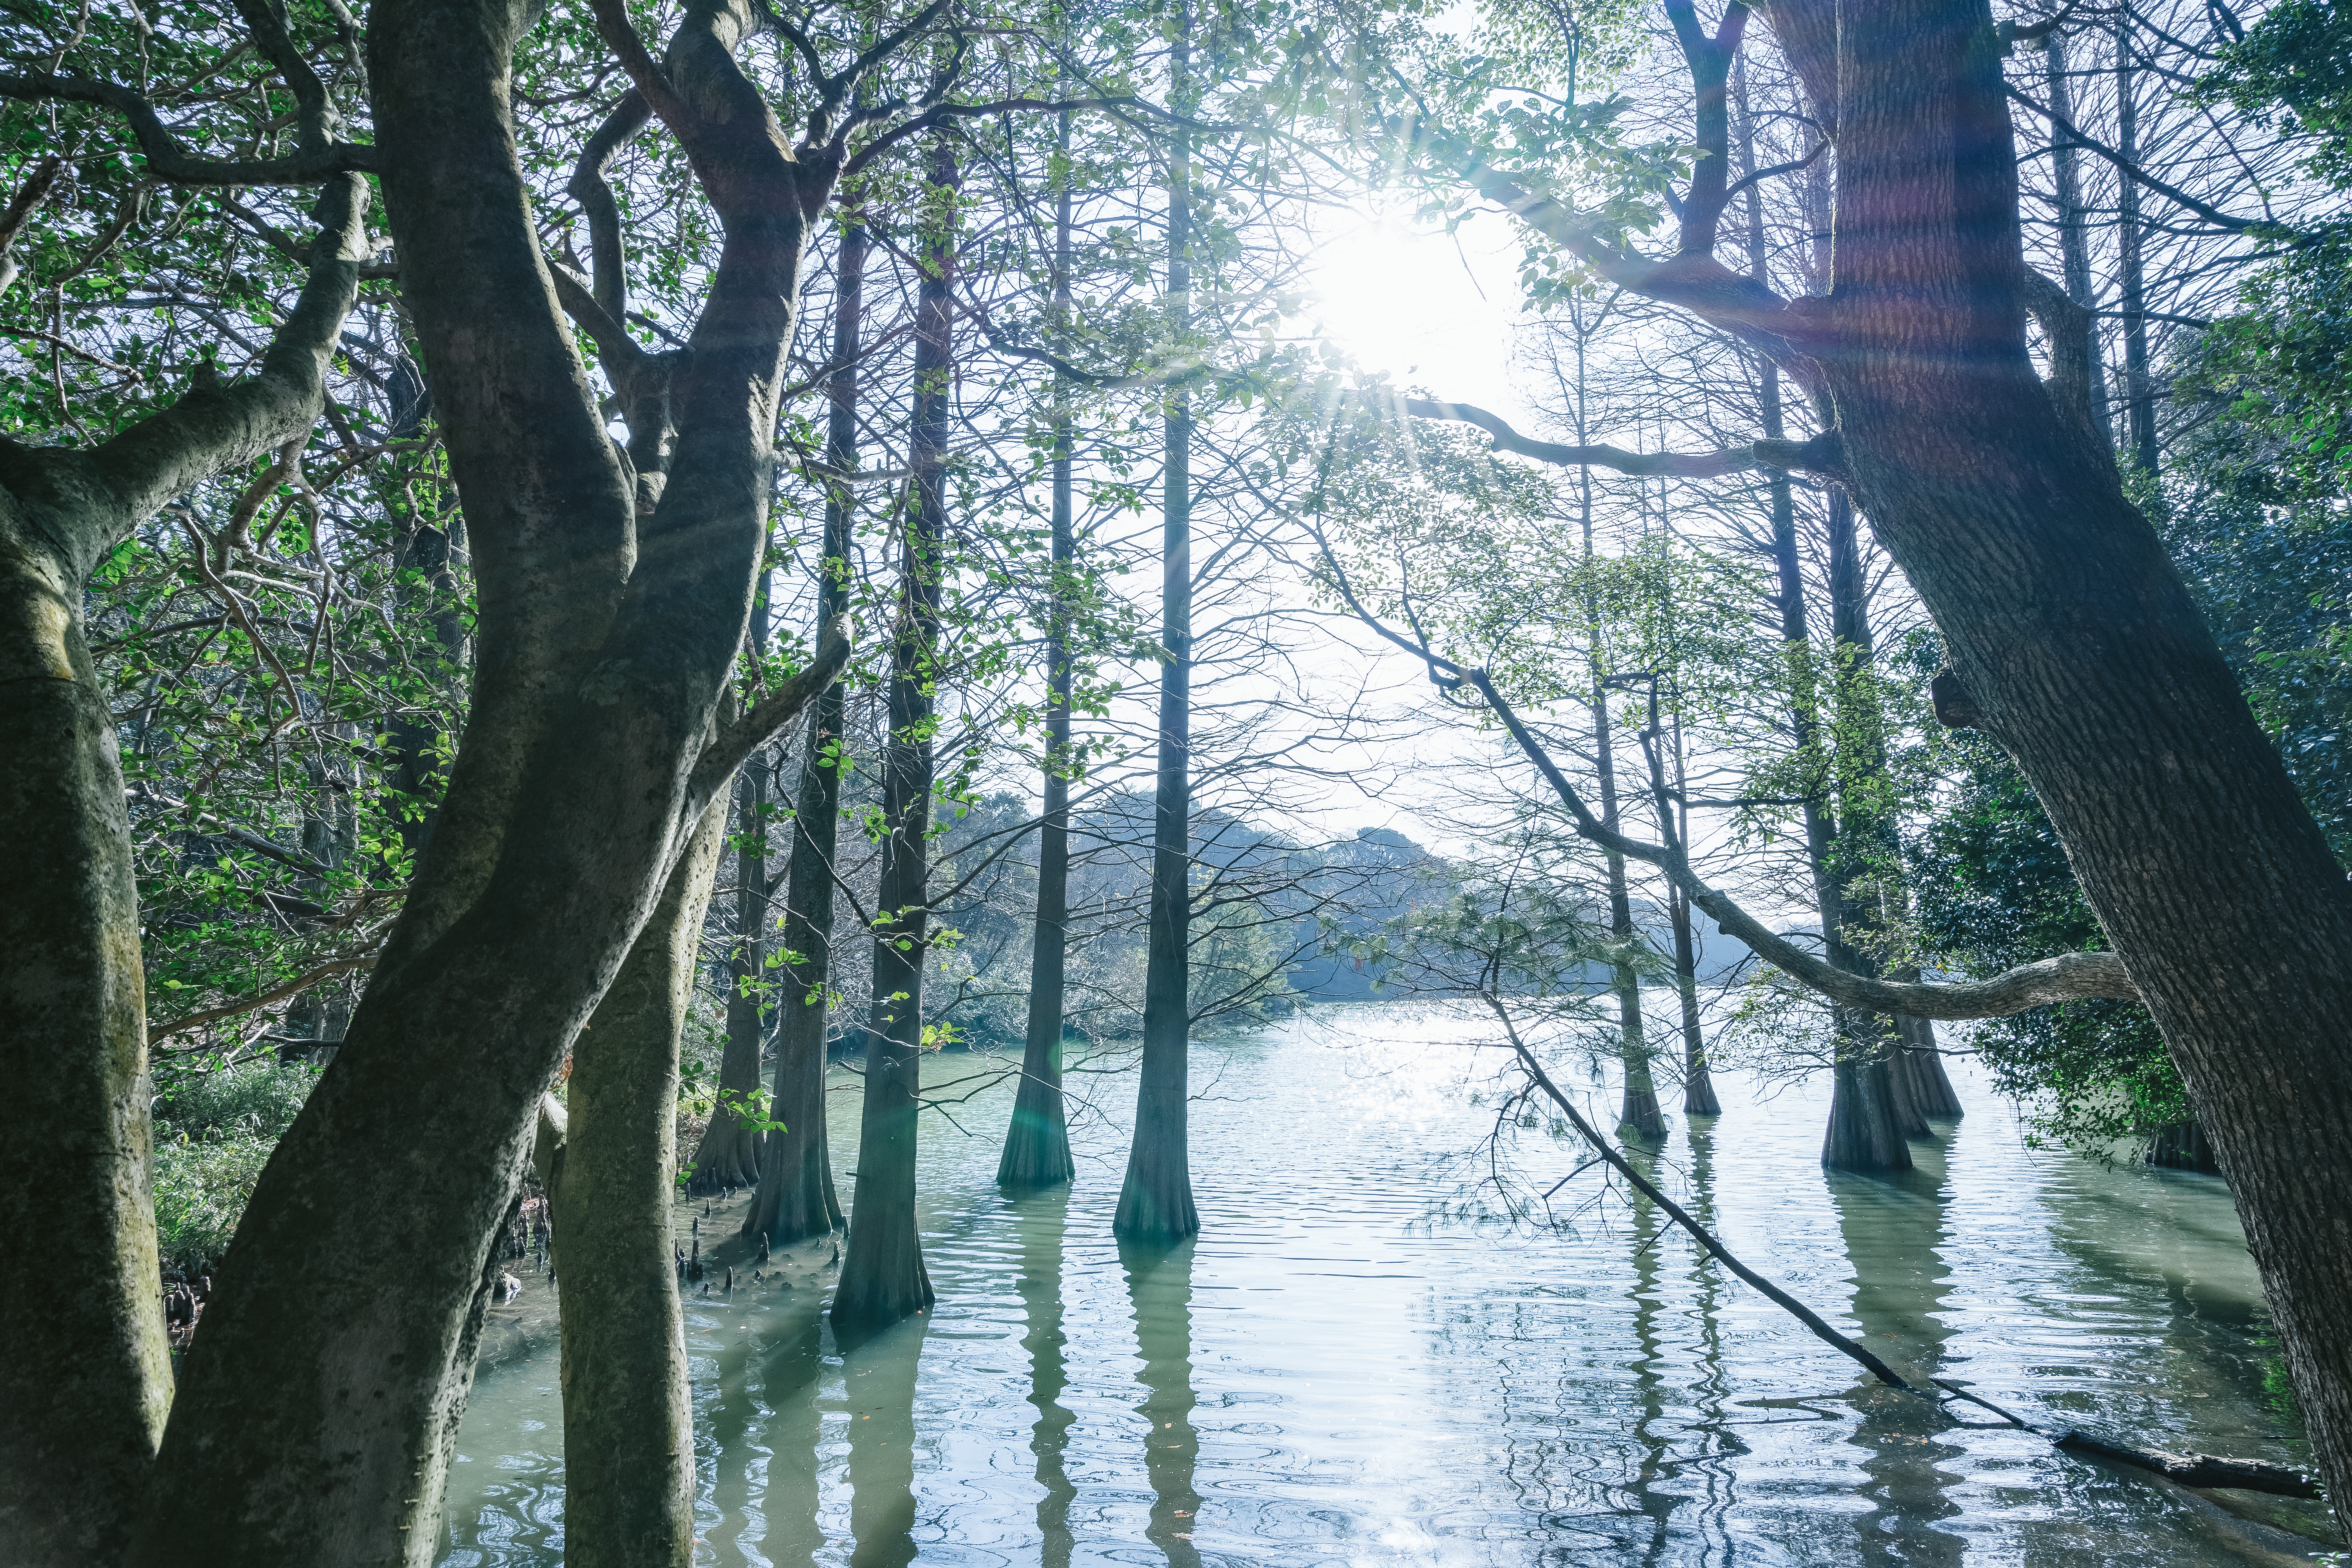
1422	307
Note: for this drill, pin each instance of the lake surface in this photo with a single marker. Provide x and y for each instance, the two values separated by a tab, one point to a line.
1362	1361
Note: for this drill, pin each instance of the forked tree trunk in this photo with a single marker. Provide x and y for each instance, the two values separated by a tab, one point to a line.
317	1414
1155	1204
729	1152
1037	1143
85	1382
796	1198
882	1277
629	1428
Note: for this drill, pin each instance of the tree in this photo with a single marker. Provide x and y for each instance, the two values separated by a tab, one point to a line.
883	1279
1155	1203
89	1389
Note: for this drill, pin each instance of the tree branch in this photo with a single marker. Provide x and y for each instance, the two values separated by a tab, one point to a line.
171	163
2069	977
1822	455
28	199
739	740
2132	171
294	987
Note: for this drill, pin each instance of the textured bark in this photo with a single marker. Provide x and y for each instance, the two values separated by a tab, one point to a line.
317	1414
796	1198
629	1428
882	1277
1155	1202
86	1389
729	1152
1037	1143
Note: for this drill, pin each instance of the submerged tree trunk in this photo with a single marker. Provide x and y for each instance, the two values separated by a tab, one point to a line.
1156	1203
1037	1143
85	1385
796	1198
728	1156
629	1428
882	1277
1698	1083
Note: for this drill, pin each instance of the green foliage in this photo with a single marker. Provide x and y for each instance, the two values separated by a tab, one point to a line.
214	1132
1991	890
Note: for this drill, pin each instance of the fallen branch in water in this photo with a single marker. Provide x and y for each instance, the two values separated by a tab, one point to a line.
2188	1469
1699	1232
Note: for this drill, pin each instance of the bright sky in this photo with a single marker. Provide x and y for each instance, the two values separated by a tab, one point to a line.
1429	308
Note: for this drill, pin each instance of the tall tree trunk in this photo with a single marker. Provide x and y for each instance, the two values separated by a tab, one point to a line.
796	1198
1864	1131
1866	852
728	1156
85	1386
2073	220
883	1279
1638	1115
1037	1144
1156	1203
629	1428
2140	392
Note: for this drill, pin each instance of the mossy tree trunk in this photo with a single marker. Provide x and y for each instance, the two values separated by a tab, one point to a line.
85	1384
797	1199
316	1416
629	1427
728	1156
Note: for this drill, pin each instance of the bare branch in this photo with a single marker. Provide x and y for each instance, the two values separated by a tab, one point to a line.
28	199
1822	455
294	987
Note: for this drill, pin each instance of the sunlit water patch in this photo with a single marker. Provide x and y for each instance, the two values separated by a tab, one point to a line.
1348	1368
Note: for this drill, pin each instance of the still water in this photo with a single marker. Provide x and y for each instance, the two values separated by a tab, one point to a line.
1361	1362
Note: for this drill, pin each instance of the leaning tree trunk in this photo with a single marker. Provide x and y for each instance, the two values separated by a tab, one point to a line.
1155	1204
85	1384
629	1427
796	1198
317	1414
728	1156
1037	1143
882	1277
2074	643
